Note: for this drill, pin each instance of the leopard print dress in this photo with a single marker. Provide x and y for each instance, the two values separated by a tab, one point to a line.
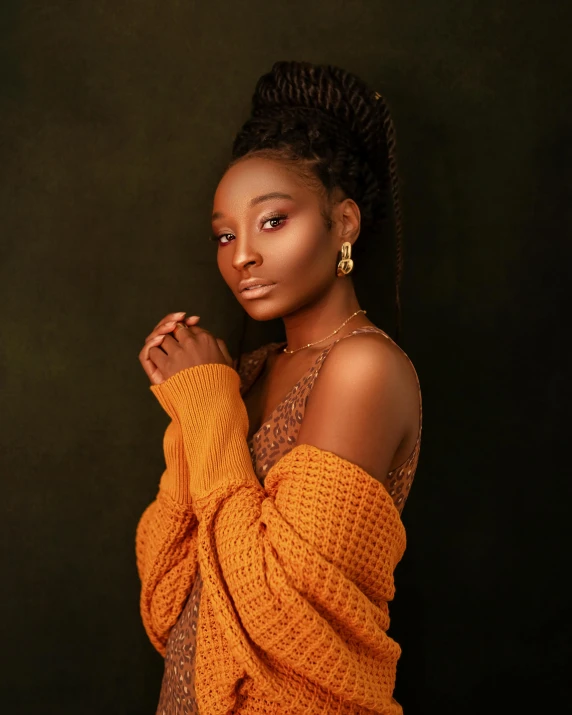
274	439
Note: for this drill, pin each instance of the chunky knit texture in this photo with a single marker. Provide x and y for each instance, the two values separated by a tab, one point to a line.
297	575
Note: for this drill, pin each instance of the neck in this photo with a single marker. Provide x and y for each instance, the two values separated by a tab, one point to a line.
316	320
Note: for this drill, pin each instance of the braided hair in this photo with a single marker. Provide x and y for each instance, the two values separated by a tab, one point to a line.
337	133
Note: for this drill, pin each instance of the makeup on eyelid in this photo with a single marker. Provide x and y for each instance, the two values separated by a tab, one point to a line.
283	217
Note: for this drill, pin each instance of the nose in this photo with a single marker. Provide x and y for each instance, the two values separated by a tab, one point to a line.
245	255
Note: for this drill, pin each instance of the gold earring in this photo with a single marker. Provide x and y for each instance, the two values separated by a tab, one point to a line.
345	264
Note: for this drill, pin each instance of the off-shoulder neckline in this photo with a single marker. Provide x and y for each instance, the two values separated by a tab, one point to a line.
275	346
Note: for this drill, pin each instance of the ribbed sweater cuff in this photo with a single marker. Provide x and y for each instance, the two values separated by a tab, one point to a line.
175	480
207	404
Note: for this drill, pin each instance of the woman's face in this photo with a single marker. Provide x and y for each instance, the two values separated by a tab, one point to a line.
281	239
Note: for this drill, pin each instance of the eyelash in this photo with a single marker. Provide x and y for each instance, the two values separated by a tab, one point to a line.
274	216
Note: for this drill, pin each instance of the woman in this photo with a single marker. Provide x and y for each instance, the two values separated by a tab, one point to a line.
276	529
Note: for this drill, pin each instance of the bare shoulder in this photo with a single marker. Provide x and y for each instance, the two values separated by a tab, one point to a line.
372	355
364	402
377	363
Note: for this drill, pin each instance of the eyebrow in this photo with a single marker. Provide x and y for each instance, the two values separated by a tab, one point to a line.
258	200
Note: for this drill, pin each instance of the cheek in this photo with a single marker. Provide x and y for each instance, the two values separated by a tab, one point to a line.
301	253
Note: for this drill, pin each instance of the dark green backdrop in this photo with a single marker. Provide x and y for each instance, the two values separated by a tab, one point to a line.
116	119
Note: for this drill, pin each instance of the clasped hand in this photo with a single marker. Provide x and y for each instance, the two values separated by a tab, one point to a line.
177	343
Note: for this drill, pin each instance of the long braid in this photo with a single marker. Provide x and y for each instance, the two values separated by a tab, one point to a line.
389	129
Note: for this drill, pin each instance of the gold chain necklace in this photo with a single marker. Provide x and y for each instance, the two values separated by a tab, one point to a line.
291	352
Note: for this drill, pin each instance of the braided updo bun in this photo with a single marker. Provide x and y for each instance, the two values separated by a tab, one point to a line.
337	133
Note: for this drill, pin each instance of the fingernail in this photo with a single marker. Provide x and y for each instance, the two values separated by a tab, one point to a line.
182	312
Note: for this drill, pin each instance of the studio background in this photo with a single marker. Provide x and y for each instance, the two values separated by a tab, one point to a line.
116	121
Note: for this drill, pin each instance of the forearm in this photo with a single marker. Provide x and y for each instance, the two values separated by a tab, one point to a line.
166	553
206	402
166	544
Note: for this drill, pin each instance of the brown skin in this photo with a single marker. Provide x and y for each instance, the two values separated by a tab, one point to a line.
298	254
163	354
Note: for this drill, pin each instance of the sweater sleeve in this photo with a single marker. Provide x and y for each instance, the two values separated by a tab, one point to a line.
166	544
297	574
166	541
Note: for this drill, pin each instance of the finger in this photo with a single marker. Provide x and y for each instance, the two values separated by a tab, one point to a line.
162	329
224	351
172	316
182	332
156	377
165	327
169	342
155	341
149	365
158	358
191	322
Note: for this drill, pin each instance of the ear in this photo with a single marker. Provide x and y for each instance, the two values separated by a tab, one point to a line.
348	220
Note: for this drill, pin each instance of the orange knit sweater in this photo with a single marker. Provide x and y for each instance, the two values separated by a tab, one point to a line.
297	574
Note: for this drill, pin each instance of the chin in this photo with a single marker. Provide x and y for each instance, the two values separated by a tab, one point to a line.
264	314
261	310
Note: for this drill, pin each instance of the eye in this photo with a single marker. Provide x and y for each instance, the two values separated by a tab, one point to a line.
273	218
214	237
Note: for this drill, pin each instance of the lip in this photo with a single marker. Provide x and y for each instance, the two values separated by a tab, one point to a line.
258	292
247	282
